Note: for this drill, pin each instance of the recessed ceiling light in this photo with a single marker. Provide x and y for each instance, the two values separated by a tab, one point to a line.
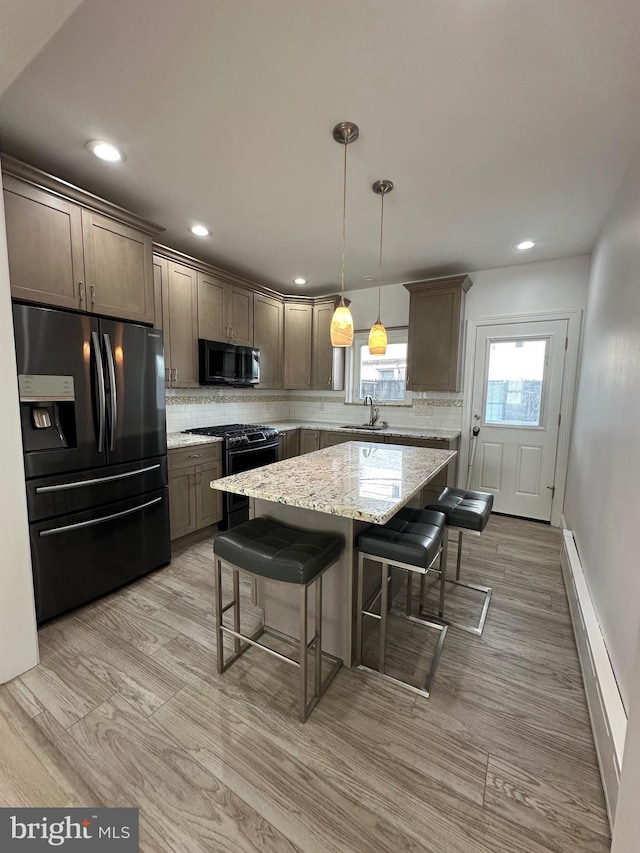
526	244
368	278
200	231
299	281
106	151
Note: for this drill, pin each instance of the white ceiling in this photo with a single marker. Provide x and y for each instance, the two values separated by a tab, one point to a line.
497	120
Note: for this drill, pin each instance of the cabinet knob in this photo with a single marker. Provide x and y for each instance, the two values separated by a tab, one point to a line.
93	293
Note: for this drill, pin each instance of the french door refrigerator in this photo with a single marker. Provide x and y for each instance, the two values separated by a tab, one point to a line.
92	407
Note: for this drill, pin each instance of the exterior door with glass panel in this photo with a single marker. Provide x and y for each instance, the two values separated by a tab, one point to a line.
517	392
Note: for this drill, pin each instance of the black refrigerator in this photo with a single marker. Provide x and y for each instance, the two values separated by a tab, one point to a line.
92	407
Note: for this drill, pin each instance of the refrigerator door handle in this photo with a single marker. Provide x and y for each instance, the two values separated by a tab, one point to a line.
76	484
102	399
113	391
54	530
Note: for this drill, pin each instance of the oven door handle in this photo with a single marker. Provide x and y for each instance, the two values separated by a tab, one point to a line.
243	450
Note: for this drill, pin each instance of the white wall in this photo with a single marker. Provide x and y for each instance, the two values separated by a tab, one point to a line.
18	637
602	504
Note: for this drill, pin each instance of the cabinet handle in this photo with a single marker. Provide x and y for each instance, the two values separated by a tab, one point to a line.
199	478
195	455
192	477
167	375
174	374
93	293
81	291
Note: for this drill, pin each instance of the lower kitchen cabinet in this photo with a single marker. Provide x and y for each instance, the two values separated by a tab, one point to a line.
193	504
309	440
289	444
446	477
329	438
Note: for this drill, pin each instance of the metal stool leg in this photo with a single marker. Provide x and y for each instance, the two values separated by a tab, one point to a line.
318	633
303	653
409	592
236	609
443	574
219	633
383	617
359	605
459	557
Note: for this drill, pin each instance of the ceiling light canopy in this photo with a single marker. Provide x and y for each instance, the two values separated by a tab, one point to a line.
378	333
106	151
342	321
526	244
200	231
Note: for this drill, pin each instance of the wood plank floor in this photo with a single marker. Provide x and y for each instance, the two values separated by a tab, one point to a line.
126	709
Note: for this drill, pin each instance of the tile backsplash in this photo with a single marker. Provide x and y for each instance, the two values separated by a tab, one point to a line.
194	407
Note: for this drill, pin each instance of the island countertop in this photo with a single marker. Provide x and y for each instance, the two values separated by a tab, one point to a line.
360	480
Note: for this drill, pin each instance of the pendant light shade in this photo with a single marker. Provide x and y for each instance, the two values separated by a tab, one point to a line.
342	321
378	333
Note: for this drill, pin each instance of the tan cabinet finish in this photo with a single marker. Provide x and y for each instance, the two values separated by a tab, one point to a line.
268	337
66	250
225	312
289	444
298	323
446	477
329	438
118	268
44	242
309	440
193	504
436	315
323	353
178	286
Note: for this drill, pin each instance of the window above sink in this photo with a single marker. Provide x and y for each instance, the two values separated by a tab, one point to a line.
383	377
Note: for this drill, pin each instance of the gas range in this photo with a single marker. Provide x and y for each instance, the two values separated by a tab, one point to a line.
239	435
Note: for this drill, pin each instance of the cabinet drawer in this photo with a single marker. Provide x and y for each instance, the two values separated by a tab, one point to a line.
197	454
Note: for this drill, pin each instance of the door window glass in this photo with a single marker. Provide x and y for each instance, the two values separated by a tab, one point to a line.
515	379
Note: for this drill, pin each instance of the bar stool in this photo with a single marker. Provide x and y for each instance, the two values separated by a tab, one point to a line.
412	541
273	552
466	512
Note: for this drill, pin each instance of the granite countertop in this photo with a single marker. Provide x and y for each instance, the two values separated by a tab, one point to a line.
432	433
357	479
181	439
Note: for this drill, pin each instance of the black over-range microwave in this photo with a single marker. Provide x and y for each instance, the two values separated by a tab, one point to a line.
228	364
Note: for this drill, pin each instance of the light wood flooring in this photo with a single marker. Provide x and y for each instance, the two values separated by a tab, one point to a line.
126	708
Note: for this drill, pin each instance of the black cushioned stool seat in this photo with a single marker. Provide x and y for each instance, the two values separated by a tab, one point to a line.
467	512
271	551
411	541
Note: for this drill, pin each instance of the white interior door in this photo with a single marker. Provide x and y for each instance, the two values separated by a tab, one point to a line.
517	392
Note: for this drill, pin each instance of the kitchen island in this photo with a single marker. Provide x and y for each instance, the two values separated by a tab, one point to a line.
340	489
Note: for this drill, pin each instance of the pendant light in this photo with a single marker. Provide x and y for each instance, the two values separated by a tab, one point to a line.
378	333
342	321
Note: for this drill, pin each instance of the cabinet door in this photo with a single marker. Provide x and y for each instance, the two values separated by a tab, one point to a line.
240	314
208	500
436	313
161	303
119	269
322	377
297	345
293	443
309	440
213	324
182	502
44	243
268	334
183	325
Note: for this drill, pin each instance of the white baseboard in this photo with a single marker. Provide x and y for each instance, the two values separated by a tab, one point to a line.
608	717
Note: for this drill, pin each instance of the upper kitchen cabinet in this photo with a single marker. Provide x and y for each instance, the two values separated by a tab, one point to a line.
118	268
177	288
298	324
71	249
225	311
54	272
327	361
268	337
436	316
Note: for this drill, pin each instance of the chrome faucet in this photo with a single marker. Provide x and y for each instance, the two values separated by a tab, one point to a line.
373	415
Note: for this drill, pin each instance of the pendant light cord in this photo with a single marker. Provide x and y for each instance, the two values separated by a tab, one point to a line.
344	221
380	256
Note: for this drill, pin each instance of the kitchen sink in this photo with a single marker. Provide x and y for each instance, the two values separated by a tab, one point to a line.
372	427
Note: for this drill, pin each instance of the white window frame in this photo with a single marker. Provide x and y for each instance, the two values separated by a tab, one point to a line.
399	335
